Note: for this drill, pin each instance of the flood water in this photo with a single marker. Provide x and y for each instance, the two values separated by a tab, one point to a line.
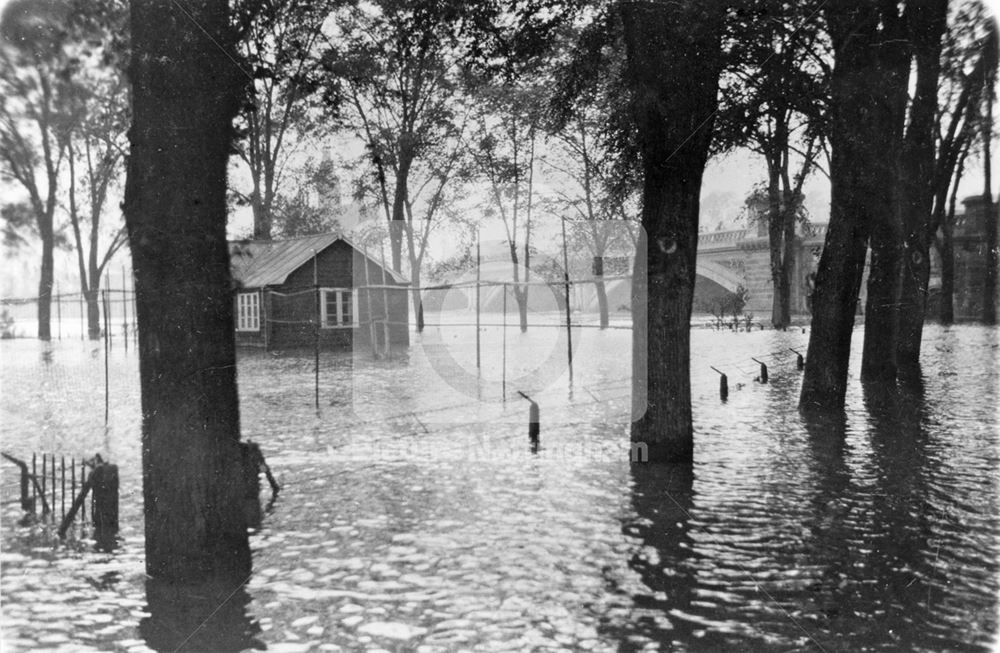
414	517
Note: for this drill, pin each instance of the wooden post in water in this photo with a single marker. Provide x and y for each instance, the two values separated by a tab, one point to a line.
104	511
763	371
800	361
34	477
83	323
723	385
534	423
58	313
62	489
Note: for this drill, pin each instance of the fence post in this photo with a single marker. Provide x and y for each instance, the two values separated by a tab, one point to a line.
104	511
107	348
124	311
503	376
569	330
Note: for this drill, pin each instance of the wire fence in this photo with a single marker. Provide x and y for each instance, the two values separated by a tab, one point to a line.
74	316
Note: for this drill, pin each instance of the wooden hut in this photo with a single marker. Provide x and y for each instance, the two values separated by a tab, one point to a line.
289	292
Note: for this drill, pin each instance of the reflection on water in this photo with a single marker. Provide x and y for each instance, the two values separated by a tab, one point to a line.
207	617
405	521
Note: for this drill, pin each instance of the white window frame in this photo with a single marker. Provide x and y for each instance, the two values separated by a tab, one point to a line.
338	320
248	311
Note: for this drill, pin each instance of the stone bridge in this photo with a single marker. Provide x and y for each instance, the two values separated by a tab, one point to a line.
728	260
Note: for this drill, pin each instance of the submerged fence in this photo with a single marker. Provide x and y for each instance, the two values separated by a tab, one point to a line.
54	490
113	313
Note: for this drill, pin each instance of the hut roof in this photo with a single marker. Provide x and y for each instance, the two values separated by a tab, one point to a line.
259	263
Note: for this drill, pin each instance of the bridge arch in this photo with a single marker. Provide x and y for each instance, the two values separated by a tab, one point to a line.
719	274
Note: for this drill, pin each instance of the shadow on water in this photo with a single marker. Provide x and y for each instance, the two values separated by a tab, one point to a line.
662	498
209	617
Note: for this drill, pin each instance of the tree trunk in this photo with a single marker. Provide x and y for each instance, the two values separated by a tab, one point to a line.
397	225
673	65
185	94
602	292
853	142
91	297
774	235
45	283
787	261
881	162
918	169
521	297
947	252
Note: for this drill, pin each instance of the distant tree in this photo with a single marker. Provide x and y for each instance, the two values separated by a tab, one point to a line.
279	43
504	149
964	63
315	205
186	89
95	156
600	216
395	77
38	108
774	103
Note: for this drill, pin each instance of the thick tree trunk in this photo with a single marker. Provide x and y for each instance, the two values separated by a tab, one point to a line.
45	283
397	224
602	292
928	22
185	92
91	297
886	117
854	140
673	64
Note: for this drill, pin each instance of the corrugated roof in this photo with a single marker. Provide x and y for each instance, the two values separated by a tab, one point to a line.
259	263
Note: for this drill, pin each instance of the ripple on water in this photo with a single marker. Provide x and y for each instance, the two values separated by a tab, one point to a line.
877	530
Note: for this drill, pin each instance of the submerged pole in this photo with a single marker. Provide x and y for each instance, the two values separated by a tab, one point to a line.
800	361
723	385
763	370
534	423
